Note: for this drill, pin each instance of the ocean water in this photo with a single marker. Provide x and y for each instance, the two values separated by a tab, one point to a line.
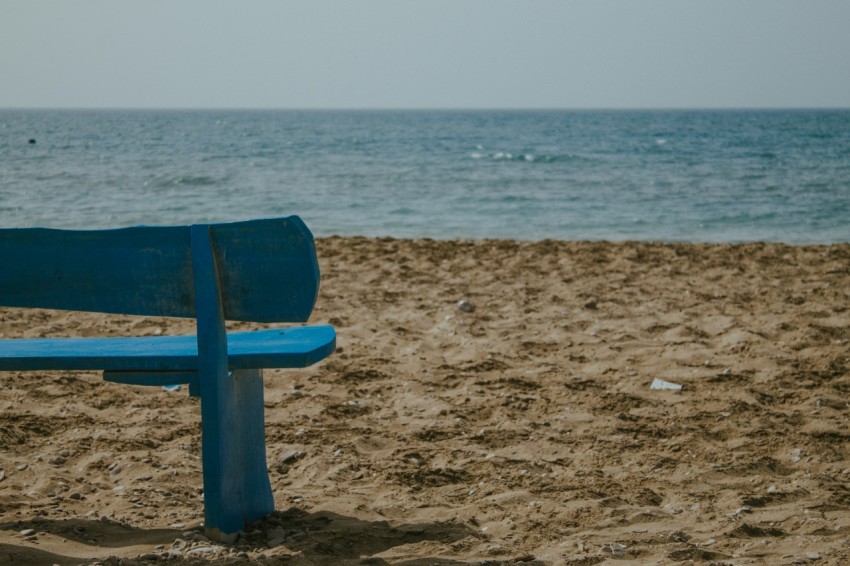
699	176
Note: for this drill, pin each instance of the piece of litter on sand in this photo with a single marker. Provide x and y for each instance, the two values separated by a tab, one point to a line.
465	306
661	384
615	548
171	387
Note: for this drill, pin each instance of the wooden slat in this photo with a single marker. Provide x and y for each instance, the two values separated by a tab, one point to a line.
276	348
268	269
142	270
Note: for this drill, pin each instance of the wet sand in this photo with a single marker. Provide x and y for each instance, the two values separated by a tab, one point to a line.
524	431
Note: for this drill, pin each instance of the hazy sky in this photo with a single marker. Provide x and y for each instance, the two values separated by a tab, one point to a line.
424	53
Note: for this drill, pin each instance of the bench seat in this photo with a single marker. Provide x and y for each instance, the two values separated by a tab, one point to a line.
293	347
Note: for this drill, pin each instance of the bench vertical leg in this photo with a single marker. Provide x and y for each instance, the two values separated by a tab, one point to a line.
233	441
236	481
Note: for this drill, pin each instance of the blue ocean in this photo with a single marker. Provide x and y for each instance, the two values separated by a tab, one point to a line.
693	176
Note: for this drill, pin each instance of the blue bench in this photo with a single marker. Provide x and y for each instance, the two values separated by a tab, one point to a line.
259	271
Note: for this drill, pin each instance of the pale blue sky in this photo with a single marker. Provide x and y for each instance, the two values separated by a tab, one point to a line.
424	54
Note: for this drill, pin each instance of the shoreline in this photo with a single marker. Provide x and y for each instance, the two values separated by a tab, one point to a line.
526	429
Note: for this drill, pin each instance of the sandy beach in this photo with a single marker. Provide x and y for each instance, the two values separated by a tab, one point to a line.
522	428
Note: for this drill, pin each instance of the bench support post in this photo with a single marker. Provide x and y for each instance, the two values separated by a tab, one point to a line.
233	441
237	491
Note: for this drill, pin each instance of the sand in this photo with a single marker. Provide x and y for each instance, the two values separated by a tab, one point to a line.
524	431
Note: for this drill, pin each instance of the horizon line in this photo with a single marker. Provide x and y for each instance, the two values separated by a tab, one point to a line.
424	108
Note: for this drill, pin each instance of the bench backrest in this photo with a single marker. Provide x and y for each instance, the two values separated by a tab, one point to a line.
267	269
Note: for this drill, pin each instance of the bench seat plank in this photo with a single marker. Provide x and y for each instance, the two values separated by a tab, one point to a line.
292	347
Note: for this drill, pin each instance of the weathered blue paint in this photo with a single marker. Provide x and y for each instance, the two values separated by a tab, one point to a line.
262	271
236	490
143	270
294	347
268	270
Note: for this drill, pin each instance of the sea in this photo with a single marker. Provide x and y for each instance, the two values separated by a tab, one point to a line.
658	175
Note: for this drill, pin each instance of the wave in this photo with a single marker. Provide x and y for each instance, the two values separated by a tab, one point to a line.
189	180
528	157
